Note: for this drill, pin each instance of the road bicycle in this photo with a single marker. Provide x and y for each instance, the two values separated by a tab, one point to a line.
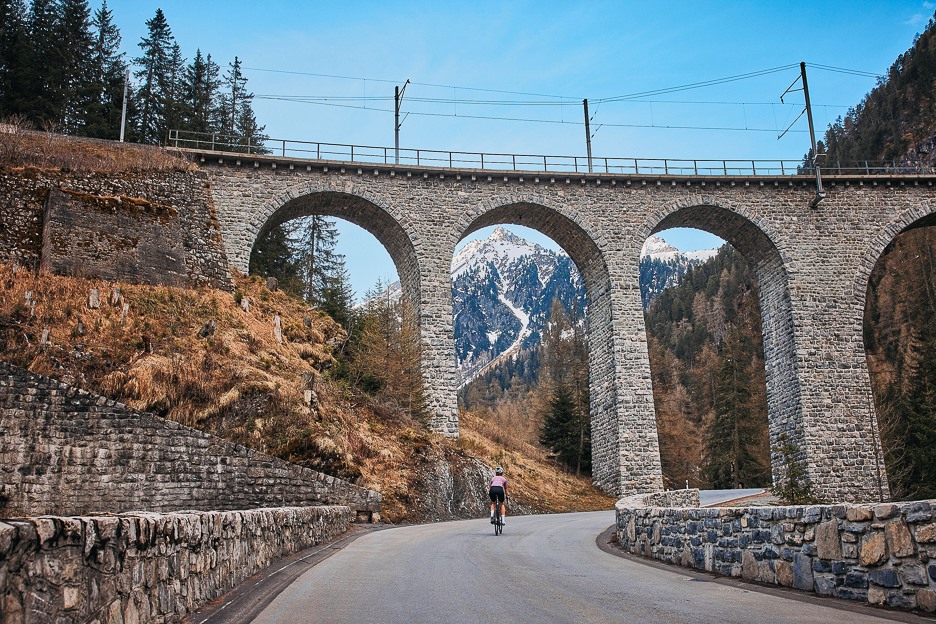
498	519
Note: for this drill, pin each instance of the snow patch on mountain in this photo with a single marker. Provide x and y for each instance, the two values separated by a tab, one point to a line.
503	287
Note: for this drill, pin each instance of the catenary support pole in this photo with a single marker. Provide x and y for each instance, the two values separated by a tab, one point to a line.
587	136
397	98
820	194
123	114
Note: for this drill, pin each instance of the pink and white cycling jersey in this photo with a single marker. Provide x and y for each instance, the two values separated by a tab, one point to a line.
498	481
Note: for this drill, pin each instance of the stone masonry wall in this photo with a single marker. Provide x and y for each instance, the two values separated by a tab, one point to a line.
65	451
156	227
881	554
142	567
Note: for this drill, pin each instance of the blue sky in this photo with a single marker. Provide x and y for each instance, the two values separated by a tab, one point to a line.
545	52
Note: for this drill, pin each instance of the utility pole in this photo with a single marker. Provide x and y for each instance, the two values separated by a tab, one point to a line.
820	194
587	135
397	98
123	114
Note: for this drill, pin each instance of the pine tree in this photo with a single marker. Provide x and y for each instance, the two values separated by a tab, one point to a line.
315	240
385	358
915	407
201	91
272	256
238	121
337	298
14	56
176	109
566	432
732	437
106	106
76	75
41	96
566	429
154	76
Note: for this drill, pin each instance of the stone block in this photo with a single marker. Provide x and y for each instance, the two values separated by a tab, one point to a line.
883	512
71	596
7	537
899	600
856	580
857	514
812	515
885	577
802	572
926	534
46	530
825	584
873	549
899	540
785	575
920	511
912	573
926	600
114	613
828	545
847	593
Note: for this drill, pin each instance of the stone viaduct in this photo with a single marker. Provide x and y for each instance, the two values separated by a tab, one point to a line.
812	264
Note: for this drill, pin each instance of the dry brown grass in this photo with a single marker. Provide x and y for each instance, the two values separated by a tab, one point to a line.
239	382
535	480
22	147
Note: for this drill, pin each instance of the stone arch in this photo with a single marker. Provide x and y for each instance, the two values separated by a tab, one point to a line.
615	460
917	216
355	206
920	215
397	235
754	239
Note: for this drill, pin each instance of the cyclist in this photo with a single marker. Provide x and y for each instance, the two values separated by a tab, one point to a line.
498	493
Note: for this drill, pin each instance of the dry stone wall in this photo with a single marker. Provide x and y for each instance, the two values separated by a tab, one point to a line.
813	265
65	451
155	228
141	567
881	554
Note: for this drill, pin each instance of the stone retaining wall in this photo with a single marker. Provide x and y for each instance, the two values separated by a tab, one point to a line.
882	554
65	451
139	568
155	228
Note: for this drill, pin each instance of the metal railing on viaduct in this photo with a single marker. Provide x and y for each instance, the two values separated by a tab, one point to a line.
541	163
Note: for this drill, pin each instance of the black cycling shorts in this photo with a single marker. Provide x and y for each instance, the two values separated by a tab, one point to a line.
497	494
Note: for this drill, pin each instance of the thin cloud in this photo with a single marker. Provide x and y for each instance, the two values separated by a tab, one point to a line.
922	18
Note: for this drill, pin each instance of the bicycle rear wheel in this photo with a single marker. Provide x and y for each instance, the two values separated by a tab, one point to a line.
498	521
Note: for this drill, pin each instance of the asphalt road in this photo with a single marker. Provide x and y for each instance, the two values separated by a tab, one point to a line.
714	497
542	569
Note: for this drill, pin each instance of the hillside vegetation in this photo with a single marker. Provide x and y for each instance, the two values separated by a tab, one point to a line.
895	121
197	357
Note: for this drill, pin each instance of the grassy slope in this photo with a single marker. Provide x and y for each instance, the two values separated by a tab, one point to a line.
240	382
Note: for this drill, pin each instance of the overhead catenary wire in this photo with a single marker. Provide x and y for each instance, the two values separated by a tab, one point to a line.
365	102
380	98
531	120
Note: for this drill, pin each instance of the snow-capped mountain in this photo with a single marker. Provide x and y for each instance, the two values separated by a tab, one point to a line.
503	288
502	291
661	266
